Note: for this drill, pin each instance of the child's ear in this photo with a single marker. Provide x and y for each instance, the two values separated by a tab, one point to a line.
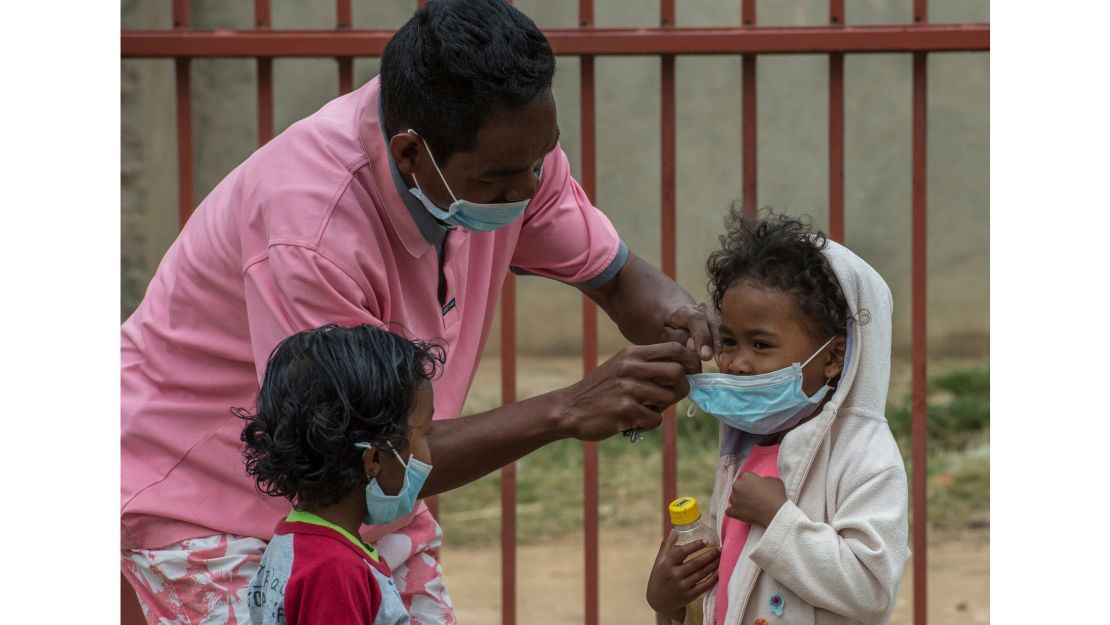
372	462
834	364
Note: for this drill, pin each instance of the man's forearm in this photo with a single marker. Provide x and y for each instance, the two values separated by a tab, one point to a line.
468	448
639	299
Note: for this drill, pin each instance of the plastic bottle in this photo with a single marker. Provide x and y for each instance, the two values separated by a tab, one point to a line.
686	518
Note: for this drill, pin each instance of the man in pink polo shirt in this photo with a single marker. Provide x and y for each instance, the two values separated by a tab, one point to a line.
404	202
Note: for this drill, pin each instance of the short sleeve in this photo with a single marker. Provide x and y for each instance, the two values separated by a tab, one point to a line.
295	288
565	237
333	593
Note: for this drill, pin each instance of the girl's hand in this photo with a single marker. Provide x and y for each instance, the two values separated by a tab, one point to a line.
673	583
754	499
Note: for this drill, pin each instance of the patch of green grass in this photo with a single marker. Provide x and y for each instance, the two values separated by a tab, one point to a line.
957	439
957	410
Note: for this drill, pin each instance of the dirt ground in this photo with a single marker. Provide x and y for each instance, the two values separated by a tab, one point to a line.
550	586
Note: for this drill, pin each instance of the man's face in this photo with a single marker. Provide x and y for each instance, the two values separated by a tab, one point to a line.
503	165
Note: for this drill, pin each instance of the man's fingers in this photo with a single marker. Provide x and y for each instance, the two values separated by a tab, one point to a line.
642	417
702	336
674	335
661	372
674	352
653	396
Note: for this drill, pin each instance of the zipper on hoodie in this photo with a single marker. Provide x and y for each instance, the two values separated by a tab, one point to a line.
805	473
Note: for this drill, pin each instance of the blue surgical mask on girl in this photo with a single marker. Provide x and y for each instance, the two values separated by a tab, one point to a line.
469	215
382	508
757	404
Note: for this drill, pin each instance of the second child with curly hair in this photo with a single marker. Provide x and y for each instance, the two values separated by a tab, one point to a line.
810	500
340	430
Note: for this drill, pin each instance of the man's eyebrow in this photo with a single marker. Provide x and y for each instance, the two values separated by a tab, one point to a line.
500	172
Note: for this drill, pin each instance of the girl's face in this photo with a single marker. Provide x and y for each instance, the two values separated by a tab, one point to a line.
762	331
385	466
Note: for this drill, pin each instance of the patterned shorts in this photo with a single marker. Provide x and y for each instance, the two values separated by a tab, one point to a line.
203	581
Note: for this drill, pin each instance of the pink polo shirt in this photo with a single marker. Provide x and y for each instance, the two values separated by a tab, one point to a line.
311	229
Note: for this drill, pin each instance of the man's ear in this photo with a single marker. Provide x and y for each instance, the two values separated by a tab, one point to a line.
834	362
372	462
405	149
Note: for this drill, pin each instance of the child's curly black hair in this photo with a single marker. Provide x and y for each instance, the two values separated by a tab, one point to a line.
324	390
783	253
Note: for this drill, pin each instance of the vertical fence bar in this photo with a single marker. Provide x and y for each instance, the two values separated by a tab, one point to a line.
918	415
667	239
508	472
343	21
836	130
184	94
589	329
748	122
265	68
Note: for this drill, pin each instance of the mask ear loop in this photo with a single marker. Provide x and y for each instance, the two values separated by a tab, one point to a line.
691	411
436	165
366	447
819	350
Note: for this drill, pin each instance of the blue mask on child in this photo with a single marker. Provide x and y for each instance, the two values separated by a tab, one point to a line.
757	404
382	508
469	215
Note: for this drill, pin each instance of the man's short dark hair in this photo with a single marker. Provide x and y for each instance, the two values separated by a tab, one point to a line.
453	62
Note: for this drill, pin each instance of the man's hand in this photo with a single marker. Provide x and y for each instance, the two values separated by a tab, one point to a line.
674	582
754	499
628	391
696	327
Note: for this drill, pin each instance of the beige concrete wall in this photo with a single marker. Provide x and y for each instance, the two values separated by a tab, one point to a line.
793	135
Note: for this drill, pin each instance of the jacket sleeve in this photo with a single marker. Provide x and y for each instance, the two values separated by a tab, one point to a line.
851	566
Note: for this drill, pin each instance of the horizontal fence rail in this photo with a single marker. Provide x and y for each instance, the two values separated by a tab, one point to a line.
747	40
573	41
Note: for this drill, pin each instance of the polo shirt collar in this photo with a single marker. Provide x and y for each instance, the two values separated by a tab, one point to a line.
401	216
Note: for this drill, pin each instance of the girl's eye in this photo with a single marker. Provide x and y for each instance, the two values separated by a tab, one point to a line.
727	342
761	345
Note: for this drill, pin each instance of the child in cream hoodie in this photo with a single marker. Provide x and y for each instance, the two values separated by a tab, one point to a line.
810	499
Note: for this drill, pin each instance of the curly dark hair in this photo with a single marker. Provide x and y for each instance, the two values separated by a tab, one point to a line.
454	62
784	253
324	390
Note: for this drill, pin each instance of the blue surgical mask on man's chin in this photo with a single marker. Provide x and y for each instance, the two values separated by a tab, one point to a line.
469	215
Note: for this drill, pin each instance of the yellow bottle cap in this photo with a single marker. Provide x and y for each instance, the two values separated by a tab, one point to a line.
684	511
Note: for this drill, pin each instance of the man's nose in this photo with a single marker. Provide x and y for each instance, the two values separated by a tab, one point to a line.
524	189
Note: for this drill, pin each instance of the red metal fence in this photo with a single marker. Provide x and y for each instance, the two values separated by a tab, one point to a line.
747	40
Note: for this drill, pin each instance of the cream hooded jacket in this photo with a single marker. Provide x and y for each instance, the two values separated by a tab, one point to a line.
836	549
